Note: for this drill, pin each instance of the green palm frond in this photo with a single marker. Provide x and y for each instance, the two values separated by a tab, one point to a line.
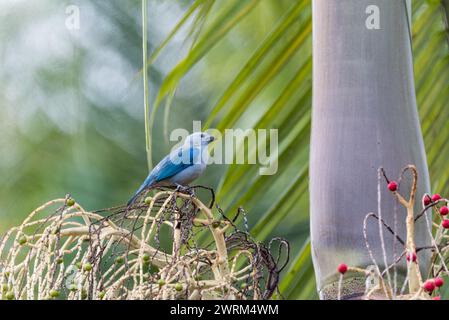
432	87
228	17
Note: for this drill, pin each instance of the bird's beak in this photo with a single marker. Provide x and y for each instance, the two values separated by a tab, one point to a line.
211	138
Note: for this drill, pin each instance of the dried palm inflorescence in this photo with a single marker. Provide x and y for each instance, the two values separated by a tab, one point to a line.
148	251
416	286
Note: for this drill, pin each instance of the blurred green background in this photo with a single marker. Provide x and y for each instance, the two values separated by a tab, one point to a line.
71	102
72	108
72	117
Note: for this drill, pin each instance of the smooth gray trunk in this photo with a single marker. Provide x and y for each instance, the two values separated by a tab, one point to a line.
364	117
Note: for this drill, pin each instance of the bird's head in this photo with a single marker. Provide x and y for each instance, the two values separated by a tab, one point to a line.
199	139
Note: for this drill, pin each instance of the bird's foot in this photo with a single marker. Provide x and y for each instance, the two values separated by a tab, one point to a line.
185	189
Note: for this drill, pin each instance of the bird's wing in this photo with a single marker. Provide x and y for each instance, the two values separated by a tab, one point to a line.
167	168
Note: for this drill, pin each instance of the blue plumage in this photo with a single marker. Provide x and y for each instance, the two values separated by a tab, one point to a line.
181	166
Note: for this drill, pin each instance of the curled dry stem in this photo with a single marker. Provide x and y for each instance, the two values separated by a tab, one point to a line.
76	254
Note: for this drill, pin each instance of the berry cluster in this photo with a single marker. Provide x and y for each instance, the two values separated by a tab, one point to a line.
418	289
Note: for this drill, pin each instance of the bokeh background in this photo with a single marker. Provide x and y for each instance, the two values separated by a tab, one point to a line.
72	115
72	108
71	101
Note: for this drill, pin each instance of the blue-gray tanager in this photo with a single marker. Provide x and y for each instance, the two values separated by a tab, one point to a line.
181	166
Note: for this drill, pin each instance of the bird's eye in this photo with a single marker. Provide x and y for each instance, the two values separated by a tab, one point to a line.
202	135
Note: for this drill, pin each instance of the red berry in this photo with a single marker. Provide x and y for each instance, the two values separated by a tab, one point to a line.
411	257
436	197
393	186
429	285
436	298
439	282
445	224
342	268
444	210
426	200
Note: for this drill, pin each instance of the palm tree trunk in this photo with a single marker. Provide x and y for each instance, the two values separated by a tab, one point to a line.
364	117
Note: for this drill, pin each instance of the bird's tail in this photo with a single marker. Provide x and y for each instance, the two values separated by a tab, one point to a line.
146	184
